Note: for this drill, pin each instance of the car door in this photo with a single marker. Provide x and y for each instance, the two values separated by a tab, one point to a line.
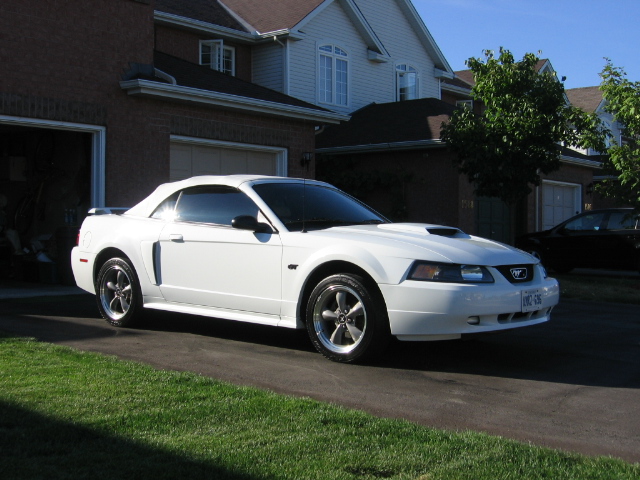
621	245
204	261
578	242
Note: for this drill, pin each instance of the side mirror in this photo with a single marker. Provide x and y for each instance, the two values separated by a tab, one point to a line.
247	222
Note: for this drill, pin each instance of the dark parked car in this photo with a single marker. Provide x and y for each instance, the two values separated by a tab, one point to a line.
594	239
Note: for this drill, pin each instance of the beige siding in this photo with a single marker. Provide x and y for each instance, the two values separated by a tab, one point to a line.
400	40
368	81
268	66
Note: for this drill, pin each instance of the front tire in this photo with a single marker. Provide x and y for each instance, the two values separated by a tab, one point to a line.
347	320
118	293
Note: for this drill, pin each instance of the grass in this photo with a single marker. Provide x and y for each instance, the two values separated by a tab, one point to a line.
69	414
600	288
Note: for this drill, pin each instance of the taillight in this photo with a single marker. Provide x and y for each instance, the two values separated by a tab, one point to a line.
78	238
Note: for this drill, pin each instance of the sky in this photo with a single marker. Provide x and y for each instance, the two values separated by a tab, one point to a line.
574	35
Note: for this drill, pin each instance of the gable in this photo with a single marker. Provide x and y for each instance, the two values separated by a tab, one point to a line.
399	26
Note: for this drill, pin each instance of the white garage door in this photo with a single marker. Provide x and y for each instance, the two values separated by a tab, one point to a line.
191	159
560	201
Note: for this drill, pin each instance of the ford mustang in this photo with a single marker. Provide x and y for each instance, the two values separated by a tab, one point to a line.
302	254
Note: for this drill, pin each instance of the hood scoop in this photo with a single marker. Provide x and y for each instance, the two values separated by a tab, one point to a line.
422	228
444	231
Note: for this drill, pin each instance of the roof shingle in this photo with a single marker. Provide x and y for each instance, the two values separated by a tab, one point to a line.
267	16
204	10
585	98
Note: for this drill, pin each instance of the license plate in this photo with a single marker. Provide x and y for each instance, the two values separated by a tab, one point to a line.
531	300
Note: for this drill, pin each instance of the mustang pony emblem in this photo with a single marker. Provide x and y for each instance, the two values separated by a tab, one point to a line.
519	273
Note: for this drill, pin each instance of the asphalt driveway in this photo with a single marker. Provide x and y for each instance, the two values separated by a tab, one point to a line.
573	383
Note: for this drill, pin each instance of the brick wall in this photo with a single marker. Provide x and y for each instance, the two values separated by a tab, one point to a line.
63	61
183	44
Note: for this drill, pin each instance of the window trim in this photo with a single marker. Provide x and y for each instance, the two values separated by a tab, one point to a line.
335	57
220	48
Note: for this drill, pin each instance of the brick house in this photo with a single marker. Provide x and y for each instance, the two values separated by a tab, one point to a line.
101	101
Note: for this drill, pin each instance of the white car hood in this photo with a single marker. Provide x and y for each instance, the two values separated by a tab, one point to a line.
421	241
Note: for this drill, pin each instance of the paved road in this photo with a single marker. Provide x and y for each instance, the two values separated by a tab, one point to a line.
573	383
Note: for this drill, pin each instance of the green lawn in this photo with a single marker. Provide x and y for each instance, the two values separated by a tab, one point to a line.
600	288
68	414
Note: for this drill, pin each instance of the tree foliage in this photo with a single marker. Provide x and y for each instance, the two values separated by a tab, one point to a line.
623	102
520	132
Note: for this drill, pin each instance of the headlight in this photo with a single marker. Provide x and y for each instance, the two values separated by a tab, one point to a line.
451	273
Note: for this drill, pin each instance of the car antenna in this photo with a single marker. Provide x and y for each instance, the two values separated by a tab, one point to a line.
305	161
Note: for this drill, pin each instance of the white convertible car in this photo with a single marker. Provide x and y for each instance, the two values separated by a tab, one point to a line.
302	254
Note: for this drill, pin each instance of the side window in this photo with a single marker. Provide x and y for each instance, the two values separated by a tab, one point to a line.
622	221
218	56
589	222
213	204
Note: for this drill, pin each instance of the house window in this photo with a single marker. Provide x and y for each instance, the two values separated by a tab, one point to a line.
333	75
468	104
216	55
407	82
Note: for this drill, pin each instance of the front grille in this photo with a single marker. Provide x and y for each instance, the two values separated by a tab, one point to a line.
516	273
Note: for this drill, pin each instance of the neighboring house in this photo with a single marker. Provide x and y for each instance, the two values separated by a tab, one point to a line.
561	195
590	100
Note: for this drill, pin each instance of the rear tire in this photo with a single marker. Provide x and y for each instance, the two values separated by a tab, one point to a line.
118	293
346	319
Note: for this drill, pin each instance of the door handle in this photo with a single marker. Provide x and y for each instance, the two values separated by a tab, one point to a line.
176	237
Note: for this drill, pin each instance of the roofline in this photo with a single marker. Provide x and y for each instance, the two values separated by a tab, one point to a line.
433	143
427	39
455	89
583	162
206	27
163	18
378	147
147	88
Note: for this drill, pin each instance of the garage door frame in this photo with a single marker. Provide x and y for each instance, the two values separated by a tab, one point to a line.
577	199
281	153
98	148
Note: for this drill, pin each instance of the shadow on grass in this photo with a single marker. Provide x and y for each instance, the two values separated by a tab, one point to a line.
33	446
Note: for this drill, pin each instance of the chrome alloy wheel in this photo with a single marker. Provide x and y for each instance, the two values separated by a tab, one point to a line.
339	319
115	292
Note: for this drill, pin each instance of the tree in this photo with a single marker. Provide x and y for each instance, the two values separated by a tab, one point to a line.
520	132
623	102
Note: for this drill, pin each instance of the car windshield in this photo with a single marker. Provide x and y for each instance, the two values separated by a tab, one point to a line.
314	207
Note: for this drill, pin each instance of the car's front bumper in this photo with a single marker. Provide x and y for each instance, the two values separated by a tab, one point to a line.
434	311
